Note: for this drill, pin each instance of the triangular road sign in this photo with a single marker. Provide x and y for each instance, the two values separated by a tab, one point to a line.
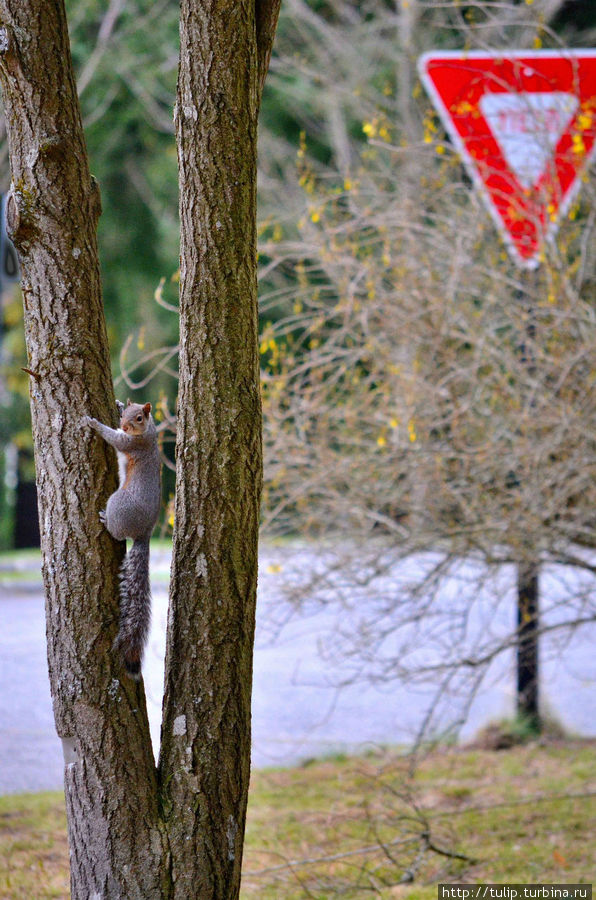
524	124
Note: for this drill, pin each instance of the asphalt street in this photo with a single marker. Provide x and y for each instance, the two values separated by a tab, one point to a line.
298	710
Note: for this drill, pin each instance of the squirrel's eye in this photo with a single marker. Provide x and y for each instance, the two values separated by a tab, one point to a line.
139	418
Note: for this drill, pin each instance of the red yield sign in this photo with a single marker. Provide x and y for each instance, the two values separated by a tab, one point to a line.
524	124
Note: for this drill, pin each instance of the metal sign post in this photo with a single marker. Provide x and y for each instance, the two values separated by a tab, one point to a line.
524	125
528	570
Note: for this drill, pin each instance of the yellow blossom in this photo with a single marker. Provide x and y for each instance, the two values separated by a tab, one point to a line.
584	121
463	108
302	147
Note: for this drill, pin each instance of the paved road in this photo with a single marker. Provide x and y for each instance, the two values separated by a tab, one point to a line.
297	711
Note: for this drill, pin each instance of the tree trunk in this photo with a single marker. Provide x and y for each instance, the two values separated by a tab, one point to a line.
206	729
131	835
53	209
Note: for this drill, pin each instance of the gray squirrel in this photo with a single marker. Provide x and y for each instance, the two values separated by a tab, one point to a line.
132	512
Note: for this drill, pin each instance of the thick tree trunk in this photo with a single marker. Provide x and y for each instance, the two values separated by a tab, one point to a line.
132	835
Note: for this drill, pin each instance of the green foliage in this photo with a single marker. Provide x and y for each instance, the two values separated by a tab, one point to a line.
125	58
521	729
395	319
15	420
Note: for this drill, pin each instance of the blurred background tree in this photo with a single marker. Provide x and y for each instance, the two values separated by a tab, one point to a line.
426	403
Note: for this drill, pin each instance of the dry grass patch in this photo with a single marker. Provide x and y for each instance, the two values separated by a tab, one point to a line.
361	827
33	847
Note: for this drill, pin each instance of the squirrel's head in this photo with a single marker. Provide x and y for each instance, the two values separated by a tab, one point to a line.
135	418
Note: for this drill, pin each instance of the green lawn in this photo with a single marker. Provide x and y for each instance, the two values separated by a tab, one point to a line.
353	827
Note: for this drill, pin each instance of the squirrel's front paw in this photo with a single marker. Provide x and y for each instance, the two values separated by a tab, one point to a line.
120	407
92	423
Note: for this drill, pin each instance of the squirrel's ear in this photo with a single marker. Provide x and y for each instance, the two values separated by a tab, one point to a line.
128	403
147	408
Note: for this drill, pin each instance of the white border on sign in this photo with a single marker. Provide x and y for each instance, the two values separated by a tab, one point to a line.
469	163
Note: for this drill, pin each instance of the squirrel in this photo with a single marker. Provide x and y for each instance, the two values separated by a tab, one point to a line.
131	512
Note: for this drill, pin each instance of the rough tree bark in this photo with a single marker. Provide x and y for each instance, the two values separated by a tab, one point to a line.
224	55
52	213
136	832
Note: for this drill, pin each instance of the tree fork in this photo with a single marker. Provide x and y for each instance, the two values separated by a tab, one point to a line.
135	832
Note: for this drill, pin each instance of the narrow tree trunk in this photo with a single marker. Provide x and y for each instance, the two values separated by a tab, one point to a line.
53	209
205	753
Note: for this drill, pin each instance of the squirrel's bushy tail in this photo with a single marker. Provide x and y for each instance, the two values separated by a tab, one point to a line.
135	607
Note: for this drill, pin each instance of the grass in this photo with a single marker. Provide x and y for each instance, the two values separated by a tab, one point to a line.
18	567
33	847
355	826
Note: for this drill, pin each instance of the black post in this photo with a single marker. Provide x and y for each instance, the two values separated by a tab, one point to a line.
527	643
528	611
